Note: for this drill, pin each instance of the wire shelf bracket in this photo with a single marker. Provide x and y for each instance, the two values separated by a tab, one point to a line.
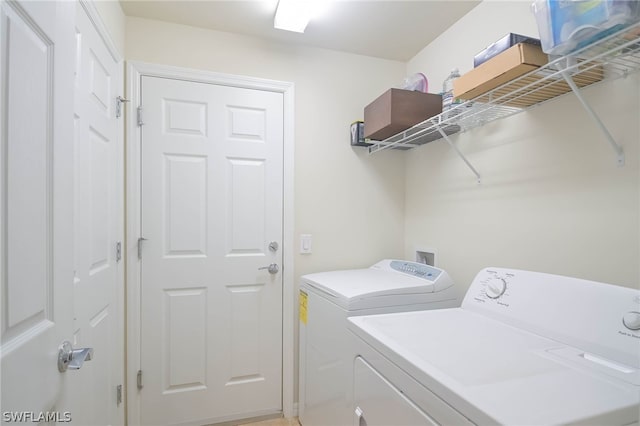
596	119
460	154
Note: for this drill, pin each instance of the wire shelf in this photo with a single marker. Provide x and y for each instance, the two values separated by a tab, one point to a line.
611	57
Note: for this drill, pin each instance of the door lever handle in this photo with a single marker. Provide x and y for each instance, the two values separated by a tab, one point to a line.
79	356
72	358
273	268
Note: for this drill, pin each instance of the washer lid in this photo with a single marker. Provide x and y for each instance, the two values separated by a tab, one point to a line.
495	373
359	283
387	283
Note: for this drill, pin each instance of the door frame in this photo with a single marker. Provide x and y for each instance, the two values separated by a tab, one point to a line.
136	70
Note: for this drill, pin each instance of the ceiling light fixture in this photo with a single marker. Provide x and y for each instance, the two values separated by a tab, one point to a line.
292	15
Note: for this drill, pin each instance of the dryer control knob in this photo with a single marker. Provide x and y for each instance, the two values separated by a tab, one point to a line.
631	320
496	287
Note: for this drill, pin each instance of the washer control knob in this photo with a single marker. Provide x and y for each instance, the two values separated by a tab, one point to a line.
496	287
631	320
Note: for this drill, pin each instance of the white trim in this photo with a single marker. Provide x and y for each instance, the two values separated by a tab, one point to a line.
132	162
290	296
120	189
95	18
169	71
135	71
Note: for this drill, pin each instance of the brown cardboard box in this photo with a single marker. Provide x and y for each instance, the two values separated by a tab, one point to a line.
397	110
502	68
501	79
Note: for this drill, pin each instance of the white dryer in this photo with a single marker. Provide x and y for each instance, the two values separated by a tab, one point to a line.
524	348
326	347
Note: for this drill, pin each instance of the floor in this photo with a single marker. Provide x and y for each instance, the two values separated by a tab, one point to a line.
276	422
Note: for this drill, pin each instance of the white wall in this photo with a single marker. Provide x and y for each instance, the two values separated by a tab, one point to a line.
114	19
551	198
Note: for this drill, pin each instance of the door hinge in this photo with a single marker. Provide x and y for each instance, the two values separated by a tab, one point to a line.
119	101
140	122
118	251
140	240
119	394
139	378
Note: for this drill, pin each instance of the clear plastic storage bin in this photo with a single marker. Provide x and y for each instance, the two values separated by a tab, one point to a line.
568	25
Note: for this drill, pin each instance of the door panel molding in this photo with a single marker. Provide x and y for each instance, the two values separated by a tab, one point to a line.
94	16
28	302
135	72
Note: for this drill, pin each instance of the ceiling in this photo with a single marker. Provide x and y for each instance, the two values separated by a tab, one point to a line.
394	30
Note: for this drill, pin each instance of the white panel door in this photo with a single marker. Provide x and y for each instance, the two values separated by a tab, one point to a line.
36	187
212	193
98	216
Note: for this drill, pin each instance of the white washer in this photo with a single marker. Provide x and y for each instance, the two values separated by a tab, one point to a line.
524	348
326	347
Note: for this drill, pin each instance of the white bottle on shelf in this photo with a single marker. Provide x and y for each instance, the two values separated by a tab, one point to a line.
448	101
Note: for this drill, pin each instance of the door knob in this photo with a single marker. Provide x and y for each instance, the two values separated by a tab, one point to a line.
273	268
72	358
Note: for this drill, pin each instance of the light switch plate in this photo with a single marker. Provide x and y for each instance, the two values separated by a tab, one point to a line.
305	243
